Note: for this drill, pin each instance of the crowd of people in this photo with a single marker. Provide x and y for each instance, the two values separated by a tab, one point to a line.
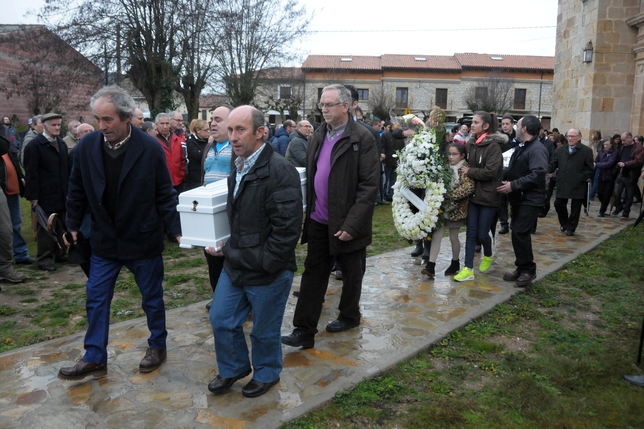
116	188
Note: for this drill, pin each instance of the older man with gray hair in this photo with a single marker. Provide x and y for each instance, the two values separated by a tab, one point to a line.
343	174
119	176
575	167
72	136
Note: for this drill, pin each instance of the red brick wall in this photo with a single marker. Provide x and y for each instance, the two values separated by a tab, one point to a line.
77	102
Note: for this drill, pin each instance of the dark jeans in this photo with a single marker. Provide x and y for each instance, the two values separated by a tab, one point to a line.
390	179
569	222
479	222
523	220
315	281
624	185
148	274
605	192
595	187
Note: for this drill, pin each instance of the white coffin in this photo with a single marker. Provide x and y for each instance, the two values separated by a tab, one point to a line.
203	215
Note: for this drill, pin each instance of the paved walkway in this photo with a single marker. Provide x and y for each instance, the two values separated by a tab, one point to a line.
403	313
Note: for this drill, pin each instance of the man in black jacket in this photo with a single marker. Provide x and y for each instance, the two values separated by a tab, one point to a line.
265	215
524	183
47	169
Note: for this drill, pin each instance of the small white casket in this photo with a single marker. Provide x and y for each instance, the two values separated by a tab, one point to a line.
202	210
203	215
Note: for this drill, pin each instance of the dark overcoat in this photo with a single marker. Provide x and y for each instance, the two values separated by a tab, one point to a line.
575	169
47	173
146	199
353	185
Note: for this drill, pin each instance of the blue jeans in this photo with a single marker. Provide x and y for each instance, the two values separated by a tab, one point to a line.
479	222
230	308
148	274
593	190
20	251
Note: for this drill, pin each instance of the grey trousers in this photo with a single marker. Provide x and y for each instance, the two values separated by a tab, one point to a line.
6	236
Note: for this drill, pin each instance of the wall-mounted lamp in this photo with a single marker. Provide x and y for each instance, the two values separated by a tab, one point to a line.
588	52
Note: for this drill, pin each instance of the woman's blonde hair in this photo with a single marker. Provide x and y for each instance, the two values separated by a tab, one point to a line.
197	124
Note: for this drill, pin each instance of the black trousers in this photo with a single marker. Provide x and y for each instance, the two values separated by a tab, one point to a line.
503	210
523	221
605	192
315	281
569	222
624	186
215	265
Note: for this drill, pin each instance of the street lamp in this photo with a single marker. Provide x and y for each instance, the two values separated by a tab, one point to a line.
588	52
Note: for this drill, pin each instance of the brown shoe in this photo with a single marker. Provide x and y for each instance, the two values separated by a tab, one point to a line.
81	370
511	277
525	279
152	360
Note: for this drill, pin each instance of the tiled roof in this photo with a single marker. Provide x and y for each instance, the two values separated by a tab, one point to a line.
294	73
419	62
514	62
343	62
428	62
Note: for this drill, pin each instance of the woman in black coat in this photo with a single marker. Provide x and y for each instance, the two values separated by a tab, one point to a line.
605	162
196	143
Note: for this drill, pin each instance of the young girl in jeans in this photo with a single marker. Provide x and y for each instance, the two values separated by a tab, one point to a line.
486	169
455	213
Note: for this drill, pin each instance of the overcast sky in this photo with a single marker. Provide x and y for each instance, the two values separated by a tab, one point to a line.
428	27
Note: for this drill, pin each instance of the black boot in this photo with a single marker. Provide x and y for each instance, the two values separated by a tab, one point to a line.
427	245
454	268
418	250
429	270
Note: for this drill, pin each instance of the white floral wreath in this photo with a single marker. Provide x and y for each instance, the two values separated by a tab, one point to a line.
419	167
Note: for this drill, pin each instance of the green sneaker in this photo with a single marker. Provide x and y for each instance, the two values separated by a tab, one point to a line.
464	275
485	264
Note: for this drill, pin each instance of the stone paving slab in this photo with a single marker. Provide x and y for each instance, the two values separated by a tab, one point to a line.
403	313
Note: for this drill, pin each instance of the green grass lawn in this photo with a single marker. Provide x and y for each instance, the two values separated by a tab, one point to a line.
552	357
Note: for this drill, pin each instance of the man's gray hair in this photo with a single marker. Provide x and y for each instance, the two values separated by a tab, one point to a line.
122	101
577	130
159	116
344	95
73	122
35	120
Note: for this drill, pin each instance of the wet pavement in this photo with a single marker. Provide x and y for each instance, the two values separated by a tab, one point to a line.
403	313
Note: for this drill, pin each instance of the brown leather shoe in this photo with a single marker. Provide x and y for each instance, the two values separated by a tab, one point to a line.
81	370
525	279
152	360
511	277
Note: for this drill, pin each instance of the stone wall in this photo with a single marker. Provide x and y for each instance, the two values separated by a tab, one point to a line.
597	95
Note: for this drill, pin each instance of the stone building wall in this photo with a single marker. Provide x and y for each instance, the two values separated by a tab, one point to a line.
597	95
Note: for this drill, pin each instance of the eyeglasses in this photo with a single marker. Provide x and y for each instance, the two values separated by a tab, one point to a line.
323	106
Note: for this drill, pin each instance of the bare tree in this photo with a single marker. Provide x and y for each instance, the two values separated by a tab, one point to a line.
381	103
50	73
253	35
163	45
490	94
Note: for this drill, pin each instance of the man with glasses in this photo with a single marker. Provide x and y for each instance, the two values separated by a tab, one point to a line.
575	164
296	152
342	183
